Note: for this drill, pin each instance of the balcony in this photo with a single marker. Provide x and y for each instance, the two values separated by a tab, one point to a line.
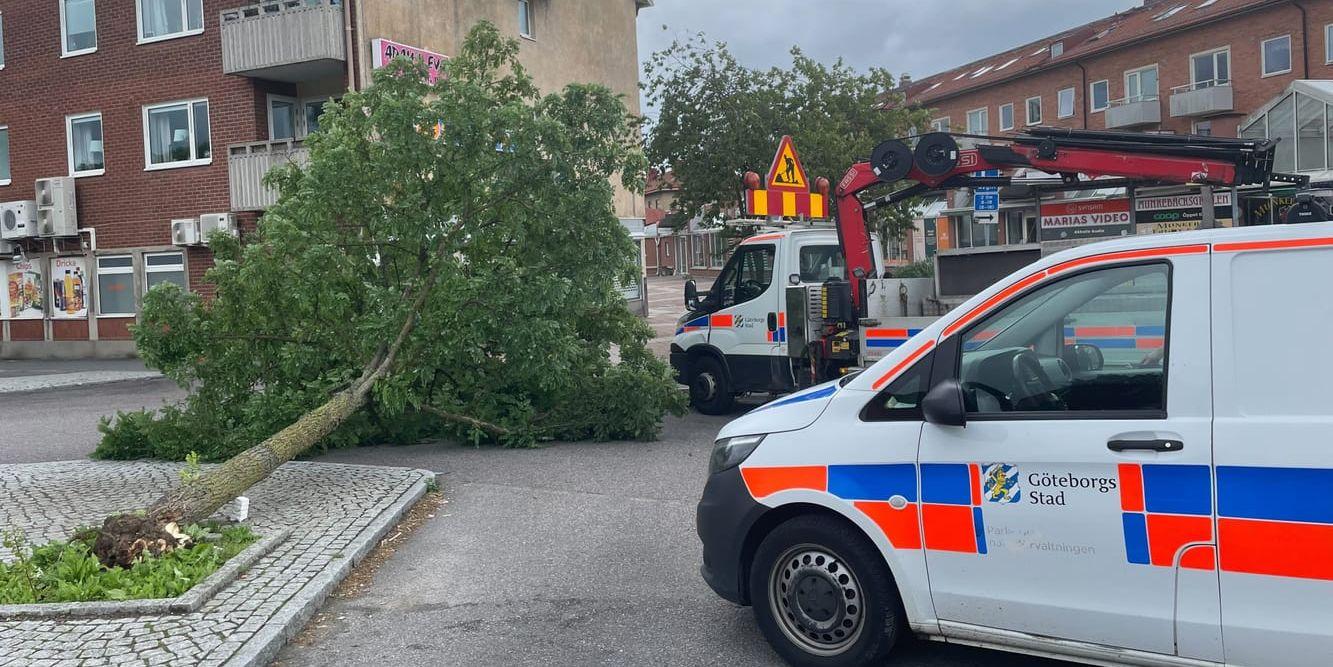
1124	114
1206	98
285	40
247	164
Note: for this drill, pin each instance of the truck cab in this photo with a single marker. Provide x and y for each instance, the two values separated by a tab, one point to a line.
738	336
1117	454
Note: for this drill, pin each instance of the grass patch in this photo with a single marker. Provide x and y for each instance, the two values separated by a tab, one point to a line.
69	572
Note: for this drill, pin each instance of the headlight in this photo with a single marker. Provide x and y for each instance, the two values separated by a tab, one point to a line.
730	452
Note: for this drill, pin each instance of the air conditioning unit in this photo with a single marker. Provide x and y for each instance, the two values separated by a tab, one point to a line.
217	222
8	249
185	232
57	212
18	220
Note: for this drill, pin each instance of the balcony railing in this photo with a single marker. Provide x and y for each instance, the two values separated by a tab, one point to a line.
285	40
247	164
1204	98
1133	112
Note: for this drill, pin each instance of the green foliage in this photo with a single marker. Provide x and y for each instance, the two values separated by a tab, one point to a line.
922	269
69	572
719	119
488	200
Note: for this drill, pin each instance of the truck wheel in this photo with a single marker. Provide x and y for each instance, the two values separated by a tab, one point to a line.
709	391
822	595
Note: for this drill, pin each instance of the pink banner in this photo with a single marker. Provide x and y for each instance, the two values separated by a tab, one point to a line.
386	50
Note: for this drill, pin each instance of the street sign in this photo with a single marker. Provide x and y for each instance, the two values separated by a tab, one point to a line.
984	218
986	198
787	173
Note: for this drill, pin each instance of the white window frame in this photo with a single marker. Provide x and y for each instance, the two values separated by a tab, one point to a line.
64	34
1057	49
1194	84
2	40
1027	110
69	143
185	23
302	103
1263	56
149	269
1092	97
298	115
1194	126
113	271
189	108
525	9
1328	45
1139	71
10	156
985	116
935	124
1010	107
1059	102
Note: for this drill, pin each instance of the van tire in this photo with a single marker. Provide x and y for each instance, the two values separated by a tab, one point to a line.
851	591
710	391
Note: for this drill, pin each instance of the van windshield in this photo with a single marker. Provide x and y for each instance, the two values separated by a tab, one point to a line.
822	262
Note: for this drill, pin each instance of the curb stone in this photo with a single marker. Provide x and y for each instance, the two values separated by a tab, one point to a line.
264	646
185	603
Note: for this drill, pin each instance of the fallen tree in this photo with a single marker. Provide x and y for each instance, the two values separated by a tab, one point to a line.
446	261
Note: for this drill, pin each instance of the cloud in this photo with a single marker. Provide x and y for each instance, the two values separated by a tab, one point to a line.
918	37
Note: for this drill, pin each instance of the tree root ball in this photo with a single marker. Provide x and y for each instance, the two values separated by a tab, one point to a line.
125	538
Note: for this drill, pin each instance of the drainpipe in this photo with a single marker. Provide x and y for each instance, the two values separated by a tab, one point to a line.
1305	42
1083	77
349	21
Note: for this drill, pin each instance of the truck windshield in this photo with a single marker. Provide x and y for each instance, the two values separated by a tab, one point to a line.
822	262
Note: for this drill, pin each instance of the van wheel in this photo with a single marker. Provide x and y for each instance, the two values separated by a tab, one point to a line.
709	391
822	595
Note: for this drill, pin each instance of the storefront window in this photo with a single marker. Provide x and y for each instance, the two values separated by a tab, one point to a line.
115	285
167	267
1013	226
1309	134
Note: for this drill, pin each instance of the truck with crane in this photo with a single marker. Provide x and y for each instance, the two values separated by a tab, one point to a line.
800	304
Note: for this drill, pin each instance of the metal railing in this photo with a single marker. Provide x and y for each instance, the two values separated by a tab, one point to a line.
248	164
284	40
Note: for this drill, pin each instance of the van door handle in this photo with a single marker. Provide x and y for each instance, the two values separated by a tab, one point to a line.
1158	445
772	321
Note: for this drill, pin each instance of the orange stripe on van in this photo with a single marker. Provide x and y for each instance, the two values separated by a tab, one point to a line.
765	237
766	481
902	527
1278	548
1283	244
911	358
721	321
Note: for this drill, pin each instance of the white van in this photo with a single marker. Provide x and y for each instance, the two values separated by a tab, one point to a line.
1120	454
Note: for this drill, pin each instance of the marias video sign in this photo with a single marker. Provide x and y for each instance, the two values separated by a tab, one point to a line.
1069	220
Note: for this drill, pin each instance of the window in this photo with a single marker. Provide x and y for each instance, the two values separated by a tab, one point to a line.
1007	116
821	262
940	124
901	400
4	155
281	118
1034	110
176	135
1065	103
313	109
83	136
1282	126
1203	128
115	285
525	18
977	122
1091	343
2	40
78	27
166	267
1013	226
1276	55
165	19
1099	95
1310	143
1328	46
1210	69
1141	85
746	277
1057	49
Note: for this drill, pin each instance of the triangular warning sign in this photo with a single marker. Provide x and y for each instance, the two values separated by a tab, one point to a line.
787	173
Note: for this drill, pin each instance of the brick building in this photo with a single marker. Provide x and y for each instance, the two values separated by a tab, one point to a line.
1176	66
166	110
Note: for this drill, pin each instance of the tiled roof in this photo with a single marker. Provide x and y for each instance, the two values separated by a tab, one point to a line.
658	181
1153	19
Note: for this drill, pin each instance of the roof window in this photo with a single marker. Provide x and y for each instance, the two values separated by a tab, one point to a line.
1006	64
1057	49
1169	13
983	70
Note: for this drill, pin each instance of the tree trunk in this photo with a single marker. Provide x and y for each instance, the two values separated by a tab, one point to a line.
125	537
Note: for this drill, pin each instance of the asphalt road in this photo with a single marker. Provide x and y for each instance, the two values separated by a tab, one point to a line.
61	424
570	555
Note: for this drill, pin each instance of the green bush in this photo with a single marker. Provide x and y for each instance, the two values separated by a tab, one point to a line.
922	269
69	572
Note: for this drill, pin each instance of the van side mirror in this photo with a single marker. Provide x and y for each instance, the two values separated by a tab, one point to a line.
1083	358
944	405
691	294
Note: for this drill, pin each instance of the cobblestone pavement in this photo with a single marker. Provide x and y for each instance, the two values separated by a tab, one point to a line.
666	303
337	512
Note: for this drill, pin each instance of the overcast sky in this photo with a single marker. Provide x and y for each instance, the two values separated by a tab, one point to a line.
919	37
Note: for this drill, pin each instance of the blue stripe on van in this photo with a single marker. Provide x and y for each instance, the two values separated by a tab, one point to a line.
873	482
1277	494
1177	489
